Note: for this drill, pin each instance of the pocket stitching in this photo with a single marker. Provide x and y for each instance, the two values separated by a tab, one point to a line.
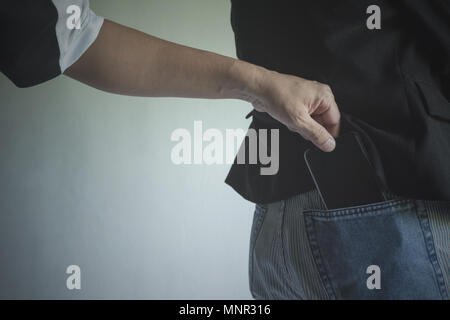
280	235
261	218
421	213
371	209
424	223
260	222
317	257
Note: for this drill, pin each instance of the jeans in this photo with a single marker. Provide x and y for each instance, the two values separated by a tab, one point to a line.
397	249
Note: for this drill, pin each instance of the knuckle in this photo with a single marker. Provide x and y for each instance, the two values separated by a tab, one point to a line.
315	135
299	121
326	91
309	132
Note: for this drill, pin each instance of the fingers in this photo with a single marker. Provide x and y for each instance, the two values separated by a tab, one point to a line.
330	117
311	130
322	124
306	107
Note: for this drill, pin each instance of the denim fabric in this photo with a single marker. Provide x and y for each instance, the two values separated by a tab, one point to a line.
300	251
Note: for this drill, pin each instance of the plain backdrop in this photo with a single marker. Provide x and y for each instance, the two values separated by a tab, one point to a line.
86	178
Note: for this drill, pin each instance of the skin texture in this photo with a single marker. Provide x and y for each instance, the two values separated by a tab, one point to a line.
125	61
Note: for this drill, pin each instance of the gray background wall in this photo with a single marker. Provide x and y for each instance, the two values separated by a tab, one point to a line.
86	178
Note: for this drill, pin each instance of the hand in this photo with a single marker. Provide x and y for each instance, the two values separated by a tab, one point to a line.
149	66
304	106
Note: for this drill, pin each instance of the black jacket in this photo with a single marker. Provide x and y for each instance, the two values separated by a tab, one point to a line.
392	85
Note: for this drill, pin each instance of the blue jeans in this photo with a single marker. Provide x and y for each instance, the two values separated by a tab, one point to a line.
397	249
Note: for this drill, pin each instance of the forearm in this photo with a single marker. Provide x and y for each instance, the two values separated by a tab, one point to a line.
126	61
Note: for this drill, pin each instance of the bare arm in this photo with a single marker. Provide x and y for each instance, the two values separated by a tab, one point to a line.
126	61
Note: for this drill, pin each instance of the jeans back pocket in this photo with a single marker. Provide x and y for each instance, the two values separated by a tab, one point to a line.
377	251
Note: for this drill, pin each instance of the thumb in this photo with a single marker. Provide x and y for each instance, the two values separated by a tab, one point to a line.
311	130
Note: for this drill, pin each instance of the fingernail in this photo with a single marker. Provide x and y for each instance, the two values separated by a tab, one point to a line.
329	145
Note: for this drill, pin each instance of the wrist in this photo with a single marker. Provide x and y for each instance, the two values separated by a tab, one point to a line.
246	81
